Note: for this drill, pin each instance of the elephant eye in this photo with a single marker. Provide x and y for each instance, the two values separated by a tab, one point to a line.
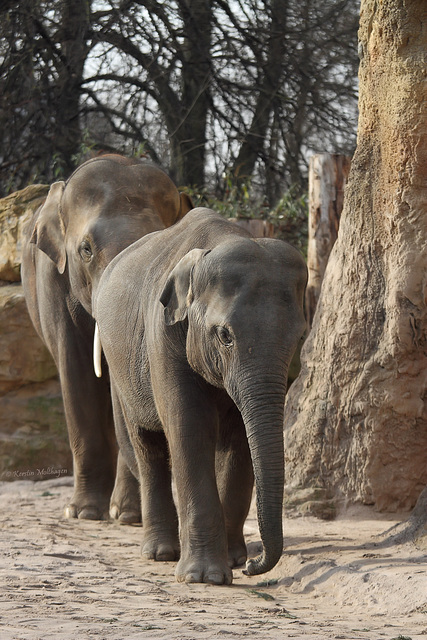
85	251
224	336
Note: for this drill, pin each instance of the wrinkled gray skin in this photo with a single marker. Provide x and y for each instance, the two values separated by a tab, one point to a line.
198	324
108	203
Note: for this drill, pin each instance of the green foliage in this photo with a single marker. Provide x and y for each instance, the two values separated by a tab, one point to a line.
236	201
58	166
289	217
140	150
86	147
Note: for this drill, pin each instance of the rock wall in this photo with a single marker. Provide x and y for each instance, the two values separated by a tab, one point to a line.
356	419
33	435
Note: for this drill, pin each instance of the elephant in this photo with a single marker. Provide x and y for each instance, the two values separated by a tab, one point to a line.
108	203
198	324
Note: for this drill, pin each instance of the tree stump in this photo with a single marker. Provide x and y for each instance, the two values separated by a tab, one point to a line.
327	178
258	228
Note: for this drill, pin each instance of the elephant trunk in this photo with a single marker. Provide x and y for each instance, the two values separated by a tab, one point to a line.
262	414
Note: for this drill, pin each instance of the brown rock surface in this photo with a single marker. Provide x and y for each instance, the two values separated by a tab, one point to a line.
356	419
33	436
23	356
15	211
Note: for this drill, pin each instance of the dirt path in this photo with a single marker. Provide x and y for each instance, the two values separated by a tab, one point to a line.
63	580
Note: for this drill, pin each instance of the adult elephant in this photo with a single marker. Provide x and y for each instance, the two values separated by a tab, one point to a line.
107	203
198	325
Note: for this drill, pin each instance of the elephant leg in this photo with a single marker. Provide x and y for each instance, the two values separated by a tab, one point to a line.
192	436
125	501
158	511
125	505
235	481
88	412
67	330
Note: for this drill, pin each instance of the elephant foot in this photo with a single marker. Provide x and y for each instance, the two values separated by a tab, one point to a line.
210	572
163	548
237	554
125	504
90	499
85	512
126	516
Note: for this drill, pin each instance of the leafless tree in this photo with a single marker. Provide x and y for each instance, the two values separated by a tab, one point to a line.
205	87
43	52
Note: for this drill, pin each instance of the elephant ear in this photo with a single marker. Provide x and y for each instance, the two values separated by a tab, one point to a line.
177	294
48	234
186	204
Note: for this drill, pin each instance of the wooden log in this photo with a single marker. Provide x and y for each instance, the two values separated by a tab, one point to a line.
327	178
258	228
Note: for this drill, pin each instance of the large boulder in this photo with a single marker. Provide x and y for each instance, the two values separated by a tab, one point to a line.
23	357
33	435
15	211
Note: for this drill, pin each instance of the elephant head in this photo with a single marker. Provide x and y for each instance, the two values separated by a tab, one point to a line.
243	305
107	204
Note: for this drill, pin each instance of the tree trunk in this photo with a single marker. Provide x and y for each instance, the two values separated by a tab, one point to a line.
269	84
75	22
326	181
188	139
255	226
356	416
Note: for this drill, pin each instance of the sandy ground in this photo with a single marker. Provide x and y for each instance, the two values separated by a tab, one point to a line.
66	579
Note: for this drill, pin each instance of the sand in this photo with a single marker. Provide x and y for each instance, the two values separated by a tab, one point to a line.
67	579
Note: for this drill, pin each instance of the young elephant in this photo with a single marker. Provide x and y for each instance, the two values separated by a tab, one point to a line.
198	324
108	203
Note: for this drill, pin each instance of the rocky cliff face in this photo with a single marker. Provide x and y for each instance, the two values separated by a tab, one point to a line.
356	420
33	435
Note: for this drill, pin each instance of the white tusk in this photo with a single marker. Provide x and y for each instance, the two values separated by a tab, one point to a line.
97	351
